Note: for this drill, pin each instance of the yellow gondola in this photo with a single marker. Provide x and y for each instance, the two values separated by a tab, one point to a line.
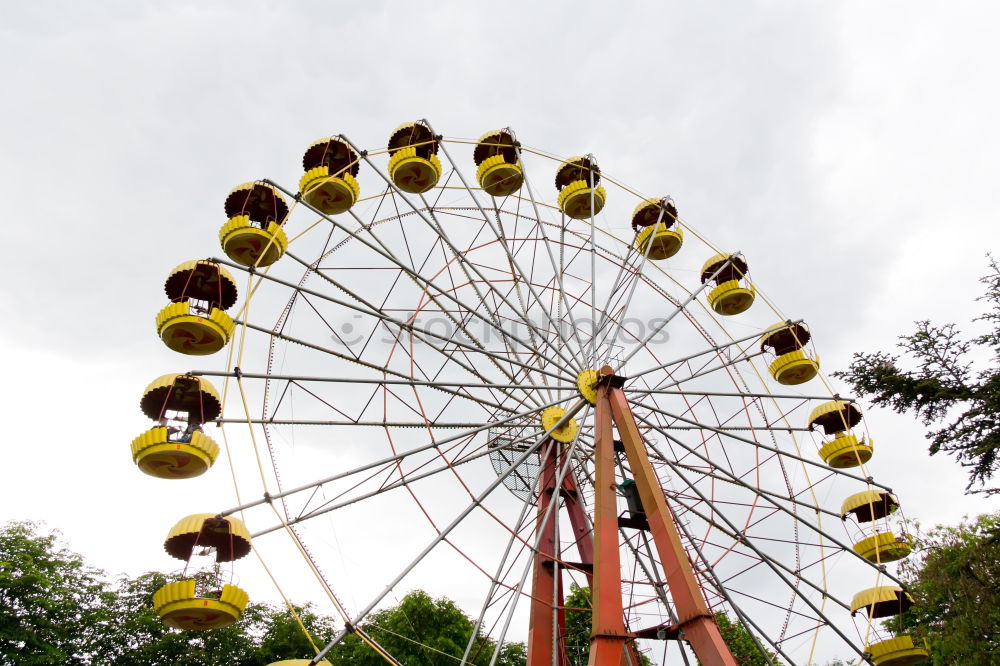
201	601
228	536
253	236
182	605
846	451
660	236
195	322
158	453
414	166
792	364
732	293
883	601
837	417
898	651
883	547
580	195
497	168
869	505
329	184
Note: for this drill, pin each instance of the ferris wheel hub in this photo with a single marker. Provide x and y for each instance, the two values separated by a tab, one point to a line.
565	433
586	381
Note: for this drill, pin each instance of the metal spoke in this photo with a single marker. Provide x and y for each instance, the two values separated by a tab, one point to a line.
558	271
404	481
652	334
379	382
840	544
723	394
478	500
714	348
416	330
383	461
384	252
753	442
510	256
451	246
455	284
637	277
374	308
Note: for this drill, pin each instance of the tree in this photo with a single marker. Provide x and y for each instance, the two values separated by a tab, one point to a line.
578	624
739	639
55	609
942	388
742	643
52	604
139	637
955	584
283	637
262	635
421	631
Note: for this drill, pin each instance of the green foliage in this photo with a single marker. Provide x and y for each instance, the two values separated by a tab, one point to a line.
956	586
54	609
262	635
283	638
52	605
738	638
578	624
421	631
140	636
942	389
742	643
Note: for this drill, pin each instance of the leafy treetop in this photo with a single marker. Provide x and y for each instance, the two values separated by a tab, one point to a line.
941	387
955	583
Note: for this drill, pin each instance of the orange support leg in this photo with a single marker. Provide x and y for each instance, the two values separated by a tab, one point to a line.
607	637
693	616
584	541
545	582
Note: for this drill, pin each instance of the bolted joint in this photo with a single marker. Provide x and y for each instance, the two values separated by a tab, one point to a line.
694	618
602	634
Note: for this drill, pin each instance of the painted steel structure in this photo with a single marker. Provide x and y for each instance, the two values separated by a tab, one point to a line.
448	324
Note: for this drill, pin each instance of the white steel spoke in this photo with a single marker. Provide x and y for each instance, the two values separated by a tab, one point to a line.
447	530
510	256
413	342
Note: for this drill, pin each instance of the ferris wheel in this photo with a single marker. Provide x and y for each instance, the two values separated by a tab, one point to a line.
473	367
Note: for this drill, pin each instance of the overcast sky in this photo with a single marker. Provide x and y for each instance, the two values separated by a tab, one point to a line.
850	149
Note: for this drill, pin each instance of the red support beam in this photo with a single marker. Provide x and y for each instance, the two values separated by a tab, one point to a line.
545	582
693	616
585	546
608	636
582	537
